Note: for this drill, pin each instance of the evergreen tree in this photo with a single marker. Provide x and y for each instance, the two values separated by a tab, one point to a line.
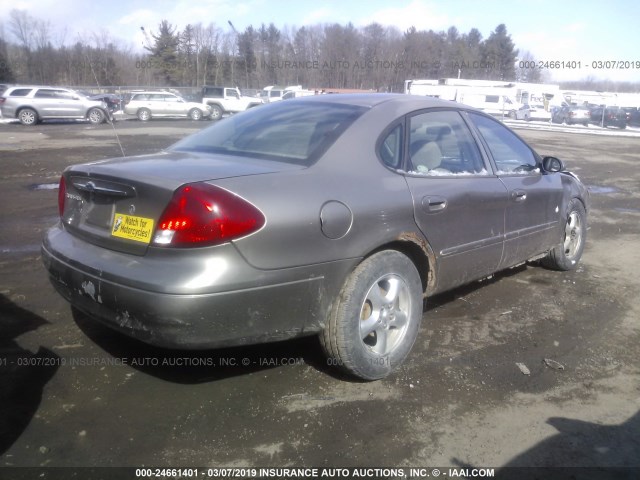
499	54
164	56
6	74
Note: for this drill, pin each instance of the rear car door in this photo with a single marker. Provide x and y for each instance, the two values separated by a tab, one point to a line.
458	205
535	198
49	103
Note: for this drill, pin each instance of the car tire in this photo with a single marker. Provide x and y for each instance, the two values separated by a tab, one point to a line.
144	114
195	114
28	116
216	112
376	318
567	254
96	116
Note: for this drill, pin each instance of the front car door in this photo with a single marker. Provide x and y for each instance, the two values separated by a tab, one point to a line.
459	205
232	99
535	197
174	105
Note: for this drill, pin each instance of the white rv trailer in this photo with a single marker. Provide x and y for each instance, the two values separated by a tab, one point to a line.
496	97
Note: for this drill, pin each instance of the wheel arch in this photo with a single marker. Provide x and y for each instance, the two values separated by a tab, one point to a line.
22	107
416	248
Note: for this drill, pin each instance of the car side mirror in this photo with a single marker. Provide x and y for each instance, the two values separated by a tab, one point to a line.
552	164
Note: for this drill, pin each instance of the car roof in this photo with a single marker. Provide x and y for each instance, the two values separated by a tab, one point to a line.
39	86
151	91
400	100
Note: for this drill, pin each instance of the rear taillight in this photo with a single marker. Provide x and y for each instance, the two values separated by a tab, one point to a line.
201	215
62	192
2	99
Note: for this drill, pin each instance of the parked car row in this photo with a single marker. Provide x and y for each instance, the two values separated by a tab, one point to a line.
33	104
608	116
603	116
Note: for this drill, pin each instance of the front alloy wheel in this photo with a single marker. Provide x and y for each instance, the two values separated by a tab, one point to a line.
96	116
376	317
567	255
195	114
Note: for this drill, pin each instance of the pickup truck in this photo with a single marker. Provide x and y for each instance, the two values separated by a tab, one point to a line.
227	100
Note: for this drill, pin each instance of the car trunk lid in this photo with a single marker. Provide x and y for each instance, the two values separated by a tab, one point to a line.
117	203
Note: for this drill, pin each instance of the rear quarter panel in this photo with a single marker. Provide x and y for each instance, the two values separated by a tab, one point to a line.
350	174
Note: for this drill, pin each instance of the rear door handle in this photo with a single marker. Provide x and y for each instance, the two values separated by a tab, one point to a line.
434	203
519	195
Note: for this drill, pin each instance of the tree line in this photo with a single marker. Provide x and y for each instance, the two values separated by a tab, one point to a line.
373	57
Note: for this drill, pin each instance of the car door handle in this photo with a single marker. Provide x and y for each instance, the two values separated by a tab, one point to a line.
519	195
434	203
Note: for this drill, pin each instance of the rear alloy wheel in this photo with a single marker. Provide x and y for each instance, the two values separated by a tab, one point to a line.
96	116
375	320
144	114
216	112
567	255
195	114
27	116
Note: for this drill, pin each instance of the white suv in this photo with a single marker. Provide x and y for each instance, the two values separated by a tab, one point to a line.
146	105
31	104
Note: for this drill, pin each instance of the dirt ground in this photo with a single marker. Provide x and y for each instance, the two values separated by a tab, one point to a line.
99	399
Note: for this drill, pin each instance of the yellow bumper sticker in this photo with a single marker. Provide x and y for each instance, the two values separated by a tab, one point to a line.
132	228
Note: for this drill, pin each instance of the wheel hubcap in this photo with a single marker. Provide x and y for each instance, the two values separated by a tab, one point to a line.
384	315
28	117
572	235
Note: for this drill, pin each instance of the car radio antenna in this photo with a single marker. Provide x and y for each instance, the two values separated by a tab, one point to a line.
109	117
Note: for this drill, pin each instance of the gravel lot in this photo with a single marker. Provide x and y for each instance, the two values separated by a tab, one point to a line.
99	399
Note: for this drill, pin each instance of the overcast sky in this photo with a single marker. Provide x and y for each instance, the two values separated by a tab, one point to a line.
581	31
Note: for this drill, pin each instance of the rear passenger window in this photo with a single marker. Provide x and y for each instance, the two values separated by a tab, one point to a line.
20	92
440	143
510	153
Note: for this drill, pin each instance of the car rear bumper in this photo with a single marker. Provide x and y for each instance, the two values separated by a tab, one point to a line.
253	306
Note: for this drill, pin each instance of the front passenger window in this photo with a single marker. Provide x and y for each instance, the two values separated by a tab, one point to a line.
440	143
510	153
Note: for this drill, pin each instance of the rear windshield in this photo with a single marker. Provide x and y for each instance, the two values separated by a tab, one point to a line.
296	132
